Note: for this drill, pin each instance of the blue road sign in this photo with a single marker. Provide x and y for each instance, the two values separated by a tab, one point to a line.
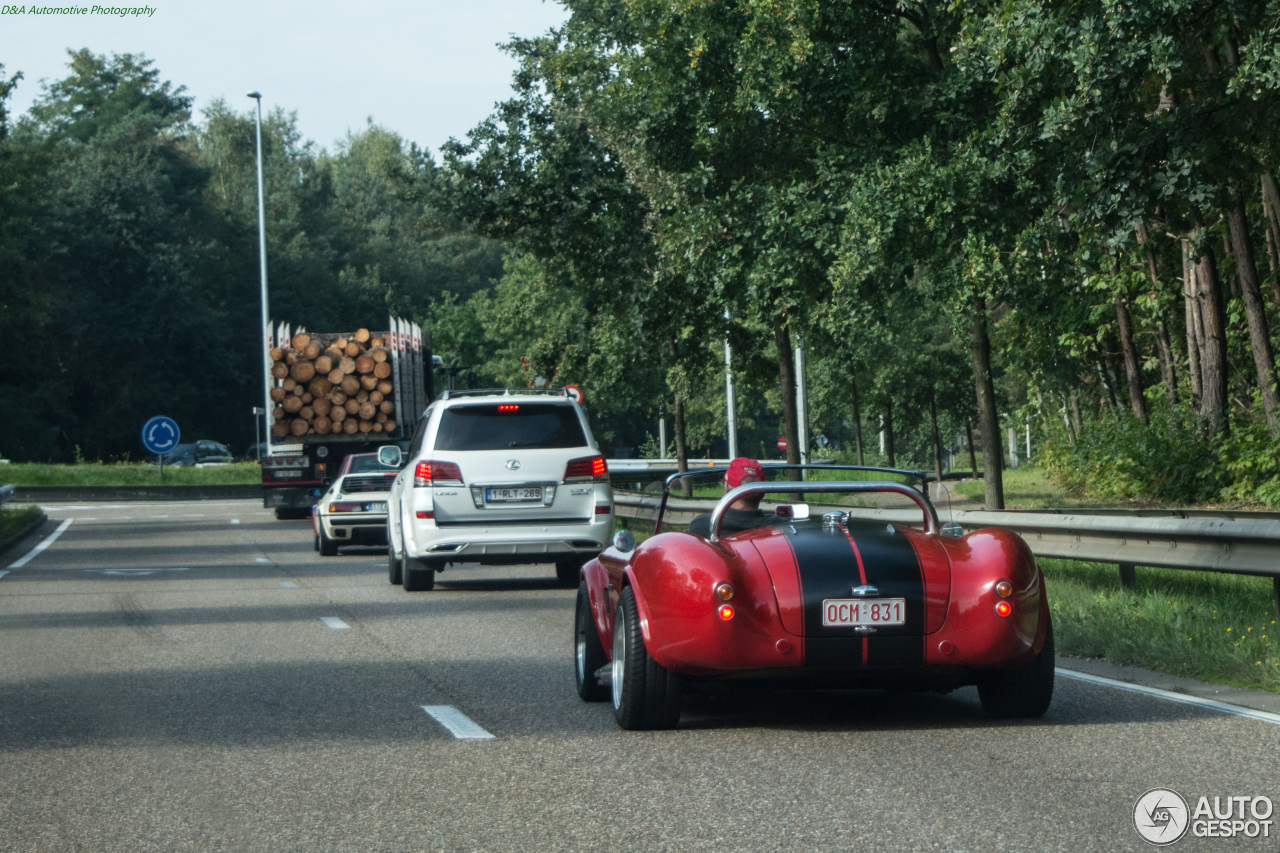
160	435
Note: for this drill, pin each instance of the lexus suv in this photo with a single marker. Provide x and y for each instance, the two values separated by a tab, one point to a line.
498	477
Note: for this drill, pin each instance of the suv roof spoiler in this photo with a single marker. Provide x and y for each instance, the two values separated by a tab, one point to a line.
502	392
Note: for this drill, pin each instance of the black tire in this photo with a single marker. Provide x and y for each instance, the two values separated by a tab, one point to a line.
393	566
645	695
1022	692
328	548
416	576
588	653
568	572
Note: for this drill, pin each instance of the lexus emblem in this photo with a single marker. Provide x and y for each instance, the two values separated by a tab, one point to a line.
513	464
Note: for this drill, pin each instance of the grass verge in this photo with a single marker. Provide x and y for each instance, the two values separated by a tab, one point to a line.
14	519
1204	625
128	474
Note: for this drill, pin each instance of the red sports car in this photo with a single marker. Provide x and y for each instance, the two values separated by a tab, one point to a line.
827	598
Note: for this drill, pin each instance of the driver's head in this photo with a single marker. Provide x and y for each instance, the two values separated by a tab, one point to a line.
744	470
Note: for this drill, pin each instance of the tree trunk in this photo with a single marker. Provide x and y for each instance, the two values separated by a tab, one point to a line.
1168	373
1195	368
1132	370
787	385
1076	417
1251	295
1214	357
988	419
891	458
857	419
973	459
937	438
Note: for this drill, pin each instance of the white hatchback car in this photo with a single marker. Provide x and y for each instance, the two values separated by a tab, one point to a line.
498	477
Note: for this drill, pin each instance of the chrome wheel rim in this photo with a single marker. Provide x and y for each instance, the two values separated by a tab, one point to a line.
580	650
618	668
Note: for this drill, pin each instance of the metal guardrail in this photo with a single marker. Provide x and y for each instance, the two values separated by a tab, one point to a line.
6	494
1203	542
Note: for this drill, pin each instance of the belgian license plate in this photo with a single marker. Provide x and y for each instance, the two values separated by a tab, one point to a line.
842	612
380	506
528	493
288	475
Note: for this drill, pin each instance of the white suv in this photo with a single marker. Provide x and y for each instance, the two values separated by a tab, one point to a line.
498	477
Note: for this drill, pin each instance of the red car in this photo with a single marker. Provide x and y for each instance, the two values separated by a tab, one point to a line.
821	598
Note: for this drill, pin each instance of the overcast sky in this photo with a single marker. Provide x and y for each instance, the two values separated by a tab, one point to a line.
426	69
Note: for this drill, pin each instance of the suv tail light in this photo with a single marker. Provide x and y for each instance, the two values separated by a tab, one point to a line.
431	473
587	469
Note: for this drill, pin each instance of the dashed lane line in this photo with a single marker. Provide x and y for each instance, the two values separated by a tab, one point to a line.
335	623
458	723
36	551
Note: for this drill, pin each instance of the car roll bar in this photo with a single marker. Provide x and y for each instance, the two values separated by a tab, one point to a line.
931	525
773	466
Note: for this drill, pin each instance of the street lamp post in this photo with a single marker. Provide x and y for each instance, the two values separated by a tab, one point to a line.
262	264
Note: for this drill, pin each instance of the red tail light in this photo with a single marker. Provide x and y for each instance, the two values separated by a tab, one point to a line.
431	473
592	468
507	408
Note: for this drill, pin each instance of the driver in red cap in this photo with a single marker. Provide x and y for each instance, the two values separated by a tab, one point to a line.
745	512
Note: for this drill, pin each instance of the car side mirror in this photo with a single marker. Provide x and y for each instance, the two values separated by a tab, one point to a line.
624	541
390	456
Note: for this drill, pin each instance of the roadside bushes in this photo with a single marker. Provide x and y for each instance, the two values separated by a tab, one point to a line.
1169	459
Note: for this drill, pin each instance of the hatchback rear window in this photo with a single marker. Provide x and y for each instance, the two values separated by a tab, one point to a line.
500	426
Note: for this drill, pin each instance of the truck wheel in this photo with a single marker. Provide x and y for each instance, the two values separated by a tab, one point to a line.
415	576
328	548
645	694
588	653
1022	692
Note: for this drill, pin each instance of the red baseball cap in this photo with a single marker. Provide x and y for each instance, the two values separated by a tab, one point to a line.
743	469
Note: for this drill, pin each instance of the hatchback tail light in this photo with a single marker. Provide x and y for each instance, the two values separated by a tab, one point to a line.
587	469
431	473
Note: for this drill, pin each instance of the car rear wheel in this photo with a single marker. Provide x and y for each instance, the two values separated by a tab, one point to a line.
328	548
393	565
1022	692
415	576
588	653
645	694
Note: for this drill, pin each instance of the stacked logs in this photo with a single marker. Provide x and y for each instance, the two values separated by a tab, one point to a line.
333	385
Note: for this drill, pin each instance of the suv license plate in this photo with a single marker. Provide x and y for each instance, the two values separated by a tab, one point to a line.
842	612
533	493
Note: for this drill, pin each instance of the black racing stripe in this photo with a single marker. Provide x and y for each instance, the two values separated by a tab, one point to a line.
828	569
892	566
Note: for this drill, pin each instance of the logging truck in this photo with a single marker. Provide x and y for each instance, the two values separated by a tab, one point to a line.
332	395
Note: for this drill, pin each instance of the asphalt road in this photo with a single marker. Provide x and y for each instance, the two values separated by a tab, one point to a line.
193	677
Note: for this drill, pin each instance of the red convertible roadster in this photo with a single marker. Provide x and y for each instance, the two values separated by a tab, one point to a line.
827	598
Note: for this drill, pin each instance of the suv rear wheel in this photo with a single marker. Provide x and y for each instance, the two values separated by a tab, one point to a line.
417	576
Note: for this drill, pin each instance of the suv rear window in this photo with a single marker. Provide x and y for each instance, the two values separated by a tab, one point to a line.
499	426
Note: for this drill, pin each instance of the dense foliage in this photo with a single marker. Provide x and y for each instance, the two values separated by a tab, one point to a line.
129	284
974	219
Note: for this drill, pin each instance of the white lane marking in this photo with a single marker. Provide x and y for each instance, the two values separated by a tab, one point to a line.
262	559
288	584
335	623
235	521
457	722
48	540
2	574
1212	704
159	516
